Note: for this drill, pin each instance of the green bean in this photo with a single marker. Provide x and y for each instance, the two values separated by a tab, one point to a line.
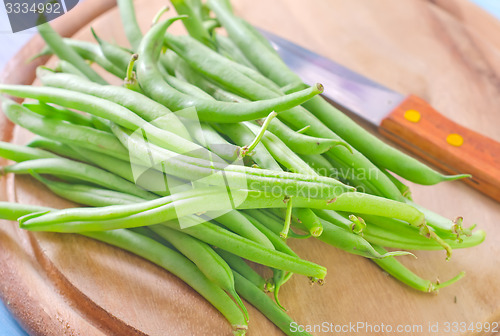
64	132
350	242
240	266
184	71
129	22
203	256
403	188
93	53
82	171
130	81
238	223
143	106
56	148
66	67
288	218
264	304
151	81
87	195
104	109
356	176
150	179
279	244
301	143
256	34
117	55
242	135
279	276
64	52
281	152
259	133
193	22
272	222
401	273
12	211
320	165
226	47
50	111
210	24
185	87
178	265
208	137
311	222
440	223
19	153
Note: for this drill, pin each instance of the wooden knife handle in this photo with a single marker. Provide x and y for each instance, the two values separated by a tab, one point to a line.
416	126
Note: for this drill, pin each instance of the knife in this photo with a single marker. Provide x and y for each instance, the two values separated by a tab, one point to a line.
409	121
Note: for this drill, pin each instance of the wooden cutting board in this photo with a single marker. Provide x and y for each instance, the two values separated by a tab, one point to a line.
446	51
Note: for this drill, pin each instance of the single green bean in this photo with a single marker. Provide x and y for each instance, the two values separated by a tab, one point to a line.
66	67
12	211
273	223
193	22
50	111
117	55
226	47
150	179
242	135
87	195
238	223
240	266
264	304
208	137
79	170
19	153
403	274
56	147
129	22
93	53
64	52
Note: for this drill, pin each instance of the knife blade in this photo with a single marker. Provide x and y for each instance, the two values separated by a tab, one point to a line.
407	120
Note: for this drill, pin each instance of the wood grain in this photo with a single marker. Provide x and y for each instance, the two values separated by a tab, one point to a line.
69	285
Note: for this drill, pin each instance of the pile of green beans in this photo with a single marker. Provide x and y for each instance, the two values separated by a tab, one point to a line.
208	156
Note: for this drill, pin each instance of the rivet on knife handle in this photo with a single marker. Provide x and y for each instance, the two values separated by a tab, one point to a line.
415	125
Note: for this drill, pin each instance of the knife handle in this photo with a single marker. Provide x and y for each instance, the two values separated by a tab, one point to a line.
419	128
